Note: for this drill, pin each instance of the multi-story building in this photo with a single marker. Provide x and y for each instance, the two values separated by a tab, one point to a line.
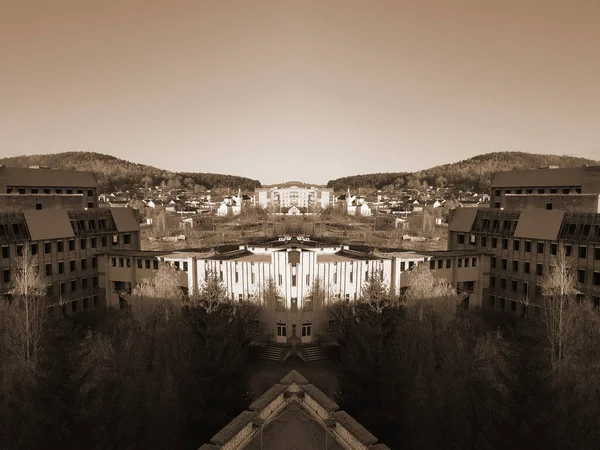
41	188
285	197
523	245
294	265
551	180
65	245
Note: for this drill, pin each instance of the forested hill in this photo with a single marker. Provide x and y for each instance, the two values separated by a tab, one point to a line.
474	173
115	173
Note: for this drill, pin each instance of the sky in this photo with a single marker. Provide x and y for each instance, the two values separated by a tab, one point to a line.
306	90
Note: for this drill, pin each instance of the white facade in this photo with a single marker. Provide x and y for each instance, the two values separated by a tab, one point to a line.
286	197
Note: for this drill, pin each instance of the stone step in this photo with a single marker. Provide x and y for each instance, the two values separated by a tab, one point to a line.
313	353
273	353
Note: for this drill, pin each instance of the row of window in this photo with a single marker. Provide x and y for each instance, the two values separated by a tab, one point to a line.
59	246
84	303
60	268
498	192
447	263
90	192
61	288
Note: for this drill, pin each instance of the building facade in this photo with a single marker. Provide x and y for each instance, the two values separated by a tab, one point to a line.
285	197
294	265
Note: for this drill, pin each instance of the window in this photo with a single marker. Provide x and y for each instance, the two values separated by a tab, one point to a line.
553	249
121	263
127	262
237	276
47	247
351	278
113	262
71	245
596	278
347	298
502	301
540	248
497	192
306	330
74	306
48	270
503	283
62	287
513	306
566	191
459	260
494	242
281	330
448	263
6	275
61	267
307	303
34	249
516	245
515	265
539	269
440	263
582	252
294	304
155	264
493	281
528	246
140	264
567	250
60	246
526	267
472	240
280	279
504	244
84	283
538	290
504	264
431	264
115	239
549	206
95	282
466	262
493	261
460	238
513	285
252	278
46	191
526	288
104	241
19	250
581	276
95	300
492	300
334	277
280	303
185	266
85	303
90	193
402	266
483	241
82	243
127	239
84	264
73	285
38	206
94	242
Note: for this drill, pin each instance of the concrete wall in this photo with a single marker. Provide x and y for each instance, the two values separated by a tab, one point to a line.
20	202
567	202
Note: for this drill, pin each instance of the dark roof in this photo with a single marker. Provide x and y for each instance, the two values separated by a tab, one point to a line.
572	176
264	400
320	397
233	428
125	219
450	253
355	428
462	219
539	224
232	254
48	224
20	176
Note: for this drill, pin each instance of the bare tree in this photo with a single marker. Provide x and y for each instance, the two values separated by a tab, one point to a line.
23	318
559	293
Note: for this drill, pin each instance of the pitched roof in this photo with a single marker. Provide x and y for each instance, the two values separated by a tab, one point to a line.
463	219
539	224
357	430
125	219
21	176
293	377
233	428
571	176
48	224
320	397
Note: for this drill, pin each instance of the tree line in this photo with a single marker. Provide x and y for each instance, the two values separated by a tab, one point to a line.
115	174
474	173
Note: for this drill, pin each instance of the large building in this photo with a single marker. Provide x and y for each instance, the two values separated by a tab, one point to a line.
523	245
294	414
285	197
40	188
294	265
52	215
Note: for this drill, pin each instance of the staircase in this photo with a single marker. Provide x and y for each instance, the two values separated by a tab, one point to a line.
274	352
313	352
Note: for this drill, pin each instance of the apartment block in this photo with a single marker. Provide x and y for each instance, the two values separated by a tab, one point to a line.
65	245
285	197
523	245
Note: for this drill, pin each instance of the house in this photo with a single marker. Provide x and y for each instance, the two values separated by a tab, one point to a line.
356	206
231	206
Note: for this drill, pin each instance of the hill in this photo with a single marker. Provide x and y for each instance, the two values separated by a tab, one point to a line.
115	173
473	173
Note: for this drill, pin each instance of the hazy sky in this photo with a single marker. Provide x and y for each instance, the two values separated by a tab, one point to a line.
299	90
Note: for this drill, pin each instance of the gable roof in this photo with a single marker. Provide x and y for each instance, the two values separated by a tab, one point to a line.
21	176
48	224
539	224
462	219
125	219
